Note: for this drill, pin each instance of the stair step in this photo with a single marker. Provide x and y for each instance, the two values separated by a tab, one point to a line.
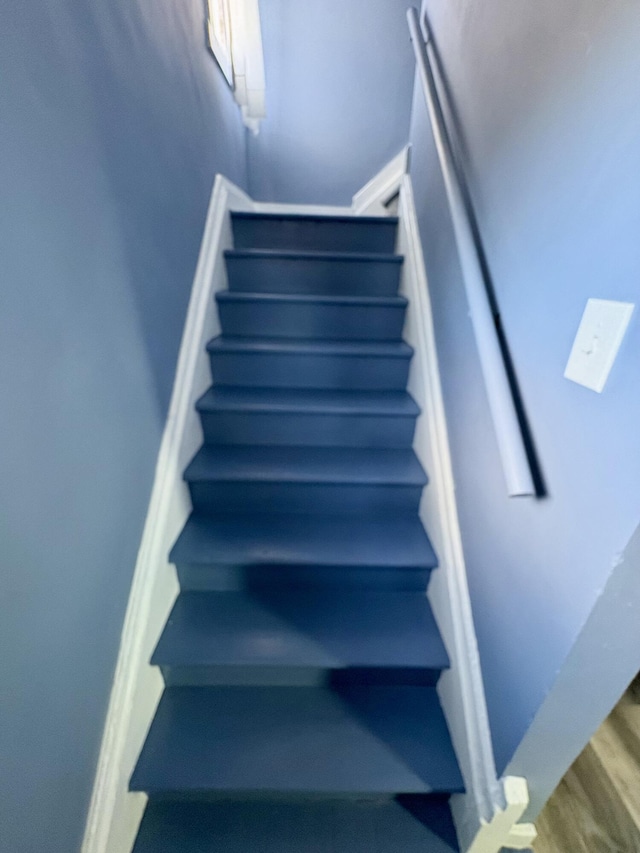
282	636
295	363
308	316
314	232
305	479
407	825
348	740
412	824
338	273
236	550
297	416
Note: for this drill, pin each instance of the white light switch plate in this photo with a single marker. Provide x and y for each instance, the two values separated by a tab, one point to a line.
597	342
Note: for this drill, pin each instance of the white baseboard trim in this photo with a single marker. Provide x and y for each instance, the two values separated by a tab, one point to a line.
114	814
374	195
460	689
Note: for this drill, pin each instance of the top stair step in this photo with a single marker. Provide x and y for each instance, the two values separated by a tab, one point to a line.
314	232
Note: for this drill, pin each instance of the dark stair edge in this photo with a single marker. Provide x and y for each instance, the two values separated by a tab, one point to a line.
315	217
310	346
296	255
206	404
249	297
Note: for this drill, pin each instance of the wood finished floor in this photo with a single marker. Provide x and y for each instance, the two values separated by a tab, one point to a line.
596	806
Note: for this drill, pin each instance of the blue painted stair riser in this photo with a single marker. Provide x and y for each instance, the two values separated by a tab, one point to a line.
313	272
300	417
315	233
327	318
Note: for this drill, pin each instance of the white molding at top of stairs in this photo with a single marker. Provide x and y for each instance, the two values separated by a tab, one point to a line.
368	201
301	209
372	199
114	813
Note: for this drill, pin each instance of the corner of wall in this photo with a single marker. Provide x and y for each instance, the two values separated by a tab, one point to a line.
605	653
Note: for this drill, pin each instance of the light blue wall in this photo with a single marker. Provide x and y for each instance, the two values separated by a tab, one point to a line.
546	95
339	79
114	121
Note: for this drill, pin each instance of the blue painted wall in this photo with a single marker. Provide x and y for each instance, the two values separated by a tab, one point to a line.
546	96
339	80
114	121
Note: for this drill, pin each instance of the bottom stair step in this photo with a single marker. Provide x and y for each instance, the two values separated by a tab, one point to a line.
352	740
409	825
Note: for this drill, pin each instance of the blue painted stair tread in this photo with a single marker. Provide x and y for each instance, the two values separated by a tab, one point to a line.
307	464
303	363
294	628
301	540
304	400
405	825
314	232
299	416
349	740
312	316
345	274
305	479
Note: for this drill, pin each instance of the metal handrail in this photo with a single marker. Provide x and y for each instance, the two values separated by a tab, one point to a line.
511	444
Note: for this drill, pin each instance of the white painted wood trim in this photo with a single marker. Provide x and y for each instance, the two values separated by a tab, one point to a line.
302	209
461	689
221	49
516	465
248	61
503	830
114	814
372	198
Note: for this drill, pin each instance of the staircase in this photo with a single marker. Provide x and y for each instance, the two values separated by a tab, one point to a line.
301	658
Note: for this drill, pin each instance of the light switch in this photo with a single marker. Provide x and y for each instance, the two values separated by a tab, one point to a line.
597	342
